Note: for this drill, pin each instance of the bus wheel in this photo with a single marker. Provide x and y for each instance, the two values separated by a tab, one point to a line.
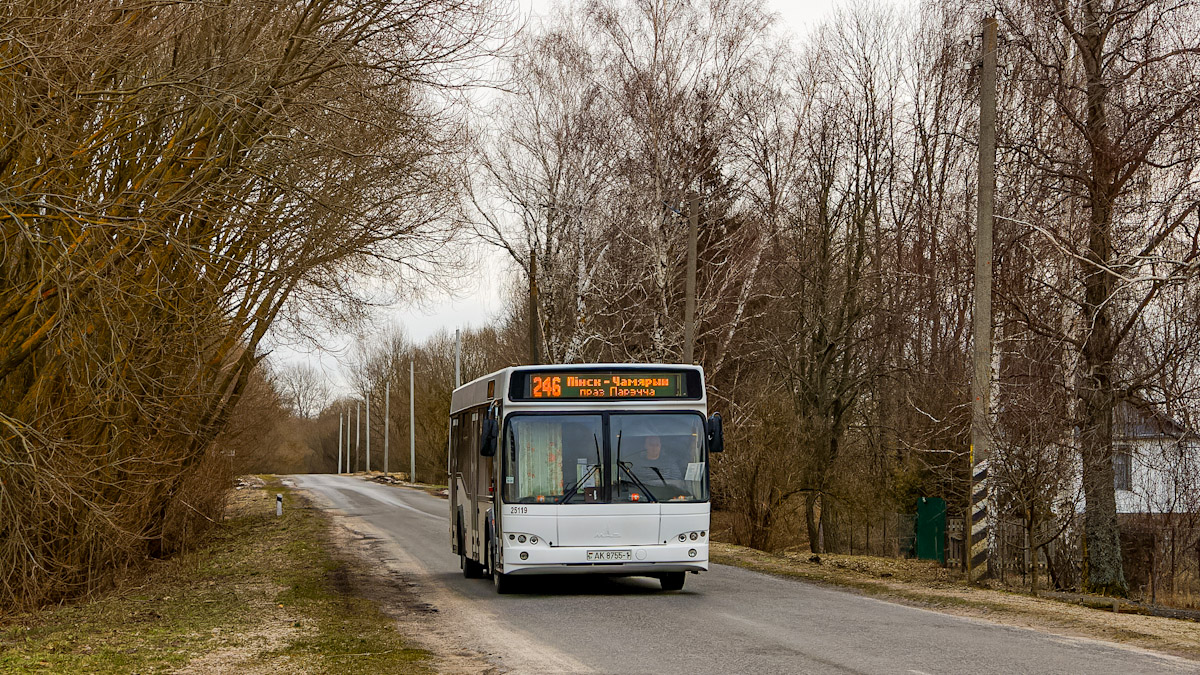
672	581
504	582
470	568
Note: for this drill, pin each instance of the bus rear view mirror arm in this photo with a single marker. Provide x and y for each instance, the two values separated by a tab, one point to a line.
716	435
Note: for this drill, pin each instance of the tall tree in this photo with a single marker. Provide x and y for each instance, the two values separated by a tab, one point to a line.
1116	92
174	179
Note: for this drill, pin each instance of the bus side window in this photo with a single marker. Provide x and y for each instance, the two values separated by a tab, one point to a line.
461	451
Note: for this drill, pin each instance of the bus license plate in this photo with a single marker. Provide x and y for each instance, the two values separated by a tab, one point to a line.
605	556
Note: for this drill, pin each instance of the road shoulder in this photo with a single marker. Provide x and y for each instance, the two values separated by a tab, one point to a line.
453	621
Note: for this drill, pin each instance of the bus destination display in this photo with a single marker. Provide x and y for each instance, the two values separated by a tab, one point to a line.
606	385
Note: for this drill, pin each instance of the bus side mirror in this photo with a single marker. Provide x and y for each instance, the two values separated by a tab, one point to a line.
487	438
716	435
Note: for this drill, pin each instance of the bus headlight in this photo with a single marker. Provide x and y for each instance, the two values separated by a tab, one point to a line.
532	539
695	536
521	539
683	537
692	553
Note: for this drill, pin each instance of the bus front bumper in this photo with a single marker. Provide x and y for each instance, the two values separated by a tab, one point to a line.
643	560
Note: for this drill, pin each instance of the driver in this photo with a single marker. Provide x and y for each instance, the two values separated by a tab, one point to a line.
653	466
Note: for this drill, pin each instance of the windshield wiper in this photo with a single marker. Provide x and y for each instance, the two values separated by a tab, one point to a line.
625	466
578	484
640	484
583	480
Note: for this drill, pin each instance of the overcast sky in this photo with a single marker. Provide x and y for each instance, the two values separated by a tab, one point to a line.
477	304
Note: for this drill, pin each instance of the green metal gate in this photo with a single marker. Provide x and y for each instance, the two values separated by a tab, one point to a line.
931	529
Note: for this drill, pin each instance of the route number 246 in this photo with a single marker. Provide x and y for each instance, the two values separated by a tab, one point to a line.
547	386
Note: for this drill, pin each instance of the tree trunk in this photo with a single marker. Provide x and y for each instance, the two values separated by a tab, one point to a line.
810	519
1103	571
1031	551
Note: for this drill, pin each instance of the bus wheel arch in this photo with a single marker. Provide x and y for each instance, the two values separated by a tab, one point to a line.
504	583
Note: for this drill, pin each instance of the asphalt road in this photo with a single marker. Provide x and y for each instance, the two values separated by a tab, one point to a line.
727	620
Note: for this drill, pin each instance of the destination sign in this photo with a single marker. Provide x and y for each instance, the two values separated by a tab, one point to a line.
606	385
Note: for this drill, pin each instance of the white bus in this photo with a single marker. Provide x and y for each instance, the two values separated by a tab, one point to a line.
566	469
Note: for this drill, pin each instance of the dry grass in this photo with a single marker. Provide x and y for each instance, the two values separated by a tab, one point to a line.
264	595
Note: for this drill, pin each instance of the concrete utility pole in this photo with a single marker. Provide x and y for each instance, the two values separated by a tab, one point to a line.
689	311
387	417
339	445
357	435
457	358
368	430
412	425
976	526
348	441
534	357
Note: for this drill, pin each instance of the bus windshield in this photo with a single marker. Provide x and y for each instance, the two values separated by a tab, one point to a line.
553	458
564	459
658	457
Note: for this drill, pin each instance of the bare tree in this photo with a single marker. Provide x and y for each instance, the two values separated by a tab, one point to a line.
174	180
619	112
304	388
1114	98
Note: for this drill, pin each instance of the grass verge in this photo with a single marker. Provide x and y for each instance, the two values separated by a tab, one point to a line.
926	584
263	595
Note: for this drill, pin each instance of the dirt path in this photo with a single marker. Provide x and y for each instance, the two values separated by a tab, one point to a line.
461	638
